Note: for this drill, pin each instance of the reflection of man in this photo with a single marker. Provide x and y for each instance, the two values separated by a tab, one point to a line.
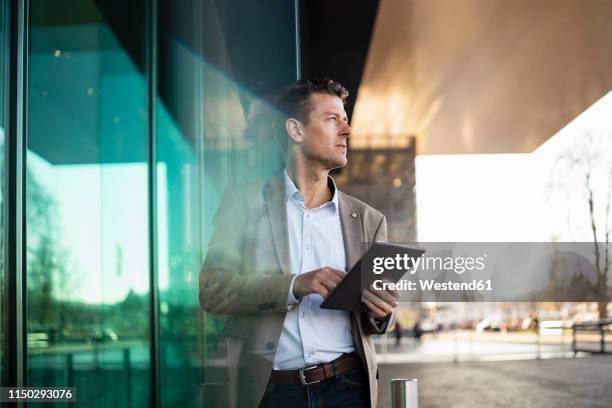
263	154
277	250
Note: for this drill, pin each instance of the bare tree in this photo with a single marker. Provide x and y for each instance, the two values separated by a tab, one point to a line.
589	167
47	260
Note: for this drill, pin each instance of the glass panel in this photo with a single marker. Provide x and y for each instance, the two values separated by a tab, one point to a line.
86	202
219	61
4	64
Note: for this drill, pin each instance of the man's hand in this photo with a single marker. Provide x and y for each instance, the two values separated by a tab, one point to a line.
321	281
224	294
380	302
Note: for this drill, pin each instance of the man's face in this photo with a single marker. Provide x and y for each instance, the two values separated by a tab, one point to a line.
259	120
327	132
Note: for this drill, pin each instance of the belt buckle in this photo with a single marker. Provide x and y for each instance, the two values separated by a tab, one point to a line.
303	377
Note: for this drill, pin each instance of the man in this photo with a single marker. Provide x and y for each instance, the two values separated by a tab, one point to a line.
277	251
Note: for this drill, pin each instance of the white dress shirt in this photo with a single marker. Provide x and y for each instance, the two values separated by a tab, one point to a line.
312	335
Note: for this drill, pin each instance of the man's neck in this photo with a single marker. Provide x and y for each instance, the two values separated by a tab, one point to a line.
311	181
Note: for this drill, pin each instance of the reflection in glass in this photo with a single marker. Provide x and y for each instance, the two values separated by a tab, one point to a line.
87	177
86	206
219	64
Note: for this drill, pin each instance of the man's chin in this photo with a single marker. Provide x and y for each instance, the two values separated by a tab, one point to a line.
338	164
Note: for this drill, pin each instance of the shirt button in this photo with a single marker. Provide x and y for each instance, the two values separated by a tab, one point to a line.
270	345
354	215
307	215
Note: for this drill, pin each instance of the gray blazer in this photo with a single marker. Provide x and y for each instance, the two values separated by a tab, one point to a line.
246	276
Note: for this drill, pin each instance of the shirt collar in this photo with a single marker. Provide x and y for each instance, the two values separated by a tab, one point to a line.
291	191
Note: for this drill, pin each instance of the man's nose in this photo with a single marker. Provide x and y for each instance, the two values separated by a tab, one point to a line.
346	130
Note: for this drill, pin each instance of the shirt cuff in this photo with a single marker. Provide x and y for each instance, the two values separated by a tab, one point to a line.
291	299
379	323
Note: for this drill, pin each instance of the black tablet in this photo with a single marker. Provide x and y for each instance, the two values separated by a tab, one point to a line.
347	295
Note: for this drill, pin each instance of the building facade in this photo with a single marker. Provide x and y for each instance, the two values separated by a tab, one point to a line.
120	125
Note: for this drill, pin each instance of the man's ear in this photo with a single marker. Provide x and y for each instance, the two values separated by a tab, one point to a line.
294	130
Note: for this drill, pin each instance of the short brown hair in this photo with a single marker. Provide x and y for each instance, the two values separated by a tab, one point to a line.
294	101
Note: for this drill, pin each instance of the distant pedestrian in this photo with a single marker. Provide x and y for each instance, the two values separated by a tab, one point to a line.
417	331
398	333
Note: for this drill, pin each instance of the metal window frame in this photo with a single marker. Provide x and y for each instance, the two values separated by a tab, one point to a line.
151	77
4	185
15	323
298	46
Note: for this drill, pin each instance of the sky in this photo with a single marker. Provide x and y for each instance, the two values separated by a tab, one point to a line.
519	197
103	226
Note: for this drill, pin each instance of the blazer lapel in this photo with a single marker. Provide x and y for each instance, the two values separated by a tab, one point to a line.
277	214
352	231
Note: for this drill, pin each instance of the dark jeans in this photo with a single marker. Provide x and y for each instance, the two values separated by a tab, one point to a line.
349	389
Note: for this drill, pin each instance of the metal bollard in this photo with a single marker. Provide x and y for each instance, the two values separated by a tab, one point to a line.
404	393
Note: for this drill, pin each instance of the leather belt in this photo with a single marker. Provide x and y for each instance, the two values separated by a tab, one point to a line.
316	373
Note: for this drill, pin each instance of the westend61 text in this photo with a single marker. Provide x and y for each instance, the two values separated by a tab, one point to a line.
430	284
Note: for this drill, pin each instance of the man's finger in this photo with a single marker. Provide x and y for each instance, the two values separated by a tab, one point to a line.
380	303
328	283
225	302
387	296
215	283
219	289
381	296
376	311
320	289
335	272
393	293
333	277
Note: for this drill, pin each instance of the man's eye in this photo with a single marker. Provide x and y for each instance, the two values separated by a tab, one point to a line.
332	118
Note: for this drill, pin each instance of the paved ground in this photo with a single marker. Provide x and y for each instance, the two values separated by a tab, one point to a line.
553	383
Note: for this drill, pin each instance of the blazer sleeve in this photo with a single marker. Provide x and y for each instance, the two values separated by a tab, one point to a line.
225	288
372	325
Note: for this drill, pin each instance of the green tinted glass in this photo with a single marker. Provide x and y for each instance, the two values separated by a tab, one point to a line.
86	202
87	218
219	64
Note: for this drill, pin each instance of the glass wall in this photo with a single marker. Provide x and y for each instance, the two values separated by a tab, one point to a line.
4	64
95	254
87	225
219	64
